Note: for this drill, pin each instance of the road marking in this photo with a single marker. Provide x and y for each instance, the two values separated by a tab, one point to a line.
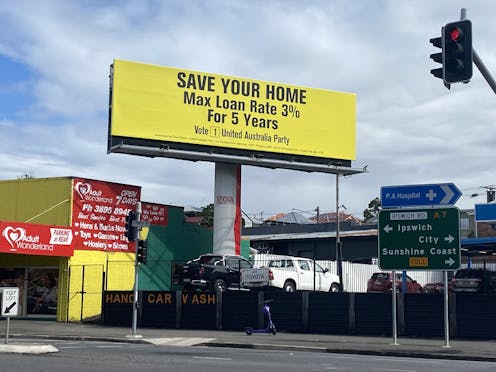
211	358
179	341
109	346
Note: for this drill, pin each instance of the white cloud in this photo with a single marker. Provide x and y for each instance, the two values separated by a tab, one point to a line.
410	129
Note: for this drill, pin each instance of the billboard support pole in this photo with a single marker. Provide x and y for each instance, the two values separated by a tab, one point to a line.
339	254
227	209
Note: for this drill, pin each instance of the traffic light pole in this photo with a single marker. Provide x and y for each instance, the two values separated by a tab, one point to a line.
477	61
484	71
136	272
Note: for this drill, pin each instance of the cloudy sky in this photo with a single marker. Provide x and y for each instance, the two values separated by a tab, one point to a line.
54	67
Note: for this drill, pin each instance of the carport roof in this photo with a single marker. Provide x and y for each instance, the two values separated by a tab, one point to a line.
478	246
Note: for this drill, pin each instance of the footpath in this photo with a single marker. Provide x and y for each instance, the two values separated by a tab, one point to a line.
41	332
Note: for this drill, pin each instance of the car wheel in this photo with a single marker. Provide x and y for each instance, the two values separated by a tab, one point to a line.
289	287
220	285
334	288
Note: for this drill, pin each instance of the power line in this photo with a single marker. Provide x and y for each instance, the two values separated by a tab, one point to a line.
490	193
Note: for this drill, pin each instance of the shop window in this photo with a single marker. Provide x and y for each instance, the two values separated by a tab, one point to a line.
42	291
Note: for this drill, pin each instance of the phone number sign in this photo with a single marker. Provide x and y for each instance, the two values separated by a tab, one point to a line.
99	214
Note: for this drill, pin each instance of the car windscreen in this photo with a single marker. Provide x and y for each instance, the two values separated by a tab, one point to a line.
469	274
380	276
235	263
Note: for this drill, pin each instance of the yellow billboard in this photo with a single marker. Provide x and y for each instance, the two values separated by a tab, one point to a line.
181	106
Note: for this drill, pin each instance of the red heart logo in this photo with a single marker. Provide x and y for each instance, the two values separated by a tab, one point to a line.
13	235
82	188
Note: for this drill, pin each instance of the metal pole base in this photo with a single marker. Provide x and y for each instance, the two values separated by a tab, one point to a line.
134	337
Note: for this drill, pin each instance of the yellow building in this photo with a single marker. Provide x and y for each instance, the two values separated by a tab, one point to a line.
71	286
65	282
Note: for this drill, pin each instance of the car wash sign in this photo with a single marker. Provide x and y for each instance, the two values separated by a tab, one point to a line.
419	239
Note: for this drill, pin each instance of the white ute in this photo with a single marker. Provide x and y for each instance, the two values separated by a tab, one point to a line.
297	273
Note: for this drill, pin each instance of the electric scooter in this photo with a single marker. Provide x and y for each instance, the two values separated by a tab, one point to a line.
270	328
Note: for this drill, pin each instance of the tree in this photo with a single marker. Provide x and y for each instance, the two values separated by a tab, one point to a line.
26	176
373	209
207	215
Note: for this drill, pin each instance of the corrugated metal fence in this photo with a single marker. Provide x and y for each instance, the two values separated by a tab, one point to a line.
355	275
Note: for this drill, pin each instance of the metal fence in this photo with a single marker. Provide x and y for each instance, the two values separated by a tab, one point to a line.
355	275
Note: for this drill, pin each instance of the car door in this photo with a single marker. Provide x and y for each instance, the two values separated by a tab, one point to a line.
322	279
305	275
411	285
233	266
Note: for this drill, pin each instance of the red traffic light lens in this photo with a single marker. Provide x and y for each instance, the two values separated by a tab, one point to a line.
455	34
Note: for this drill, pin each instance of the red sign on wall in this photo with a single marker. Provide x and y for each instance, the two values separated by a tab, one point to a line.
156	214
99	214
34	239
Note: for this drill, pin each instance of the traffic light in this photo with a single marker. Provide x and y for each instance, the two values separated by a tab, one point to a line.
437	57
130	230
142	251
457	51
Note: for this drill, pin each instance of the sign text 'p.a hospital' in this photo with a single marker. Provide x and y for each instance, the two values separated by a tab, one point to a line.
419	195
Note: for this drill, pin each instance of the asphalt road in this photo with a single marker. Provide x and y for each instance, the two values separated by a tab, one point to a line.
117	357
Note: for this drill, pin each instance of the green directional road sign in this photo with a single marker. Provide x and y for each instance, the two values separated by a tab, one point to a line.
419	239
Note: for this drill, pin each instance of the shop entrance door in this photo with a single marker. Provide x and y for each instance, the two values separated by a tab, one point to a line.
85	293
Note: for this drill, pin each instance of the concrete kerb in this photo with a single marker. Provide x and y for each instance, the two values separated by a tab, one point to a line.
390	353
27	348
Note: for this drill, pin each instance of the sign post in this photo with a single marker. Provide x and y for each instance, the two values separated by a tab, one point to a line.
420	239
10	306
